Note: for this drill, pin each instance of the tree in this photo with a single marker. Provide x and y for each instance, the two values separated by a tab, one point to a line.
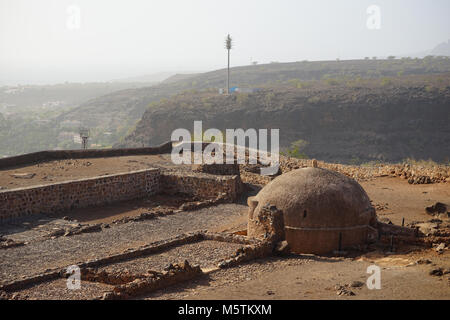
228	46
296	150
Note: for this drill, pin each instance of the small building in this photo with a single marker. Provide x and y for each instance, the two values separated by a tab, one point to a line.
322	210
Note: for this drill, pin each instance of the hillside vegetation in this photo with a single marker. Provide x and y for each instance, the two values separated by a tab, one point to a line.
348	121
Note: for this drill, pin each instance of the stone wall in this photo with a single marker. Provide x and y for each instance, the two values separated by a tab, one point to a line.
51	155
222	169
81	193
268	224
201	184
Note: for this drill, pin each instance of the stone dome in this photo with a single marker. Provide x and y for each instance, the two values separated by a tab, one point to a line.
320	208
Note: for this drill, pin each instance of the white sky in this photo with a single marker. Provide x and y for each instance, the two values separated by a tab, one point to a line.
125	38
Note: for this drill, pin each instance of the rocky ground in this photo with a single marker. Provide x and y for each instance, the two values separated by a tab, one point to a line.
413	172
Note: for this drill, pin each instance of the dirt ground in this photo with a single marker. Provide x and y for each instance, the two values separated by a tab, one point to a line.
131	208
397	199
72	169
312	277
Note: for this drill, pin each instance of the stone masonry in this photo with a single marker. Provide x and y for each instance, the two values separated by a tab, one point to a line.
201	184
68	195
81	193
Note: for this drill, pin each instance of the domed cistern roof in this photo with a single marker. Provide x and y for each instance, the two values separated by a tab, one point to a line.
323	210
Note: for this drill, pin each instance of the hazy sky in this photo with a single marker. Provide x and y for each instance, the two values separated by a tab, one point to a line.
43	41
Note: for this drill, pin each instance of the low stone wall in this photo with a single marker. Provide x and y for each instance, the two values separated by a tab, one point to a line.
81	193
51	155
218	169
153	281
201	184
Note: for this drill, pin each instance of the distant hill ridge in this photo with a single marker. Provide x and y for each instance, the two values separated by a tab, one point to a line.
442	49
179	77
370	120
123	108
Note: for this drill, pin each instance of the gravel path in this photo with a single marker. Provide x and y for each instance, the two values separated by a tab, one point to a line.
33	227
204	253
57	290
39	256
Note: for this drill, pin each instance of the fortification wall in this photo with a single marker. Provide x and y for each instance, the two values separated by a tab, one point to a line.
80	193
50	155
201	184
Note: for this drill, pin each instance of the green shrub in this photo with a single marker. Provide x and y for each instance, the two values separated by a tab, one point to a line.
332	82
268	99
242	98
386	82
297	83
296	148
429	88
313	99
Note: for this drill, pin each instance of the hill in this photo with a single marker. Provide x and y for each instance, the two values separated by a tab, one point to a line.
178	77
118	112
147	78
113	114
335	120
443	49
